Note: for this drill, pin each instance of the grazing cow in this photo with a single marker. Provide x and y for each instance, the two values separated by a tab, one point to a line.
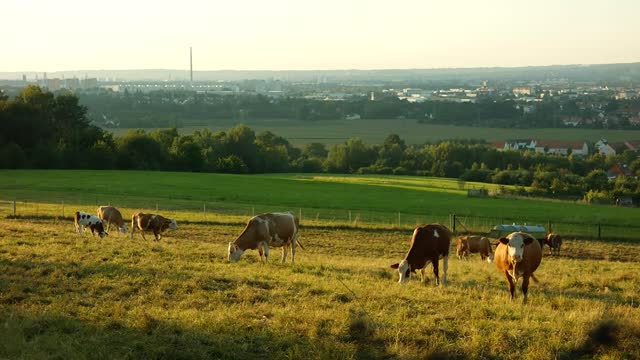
474	244
428	244
112	216
83	219
518	254
555	242
151	222
267	230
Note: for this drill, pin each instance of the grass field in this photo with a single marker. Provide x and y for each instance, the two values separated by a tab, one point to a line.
375	131
70	296
344	201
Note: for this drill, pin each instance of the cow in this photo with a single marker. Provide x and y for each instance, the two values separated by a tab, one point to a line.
518	254
555	242
151	222
428	244
267	230
474	244
82	219
111	215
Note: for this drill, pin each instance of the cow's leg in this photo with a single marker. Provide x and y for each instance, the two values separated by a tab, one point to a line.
293	249
142	232
157	235
285	250
512	286
445	268
266	251
525	287
435	270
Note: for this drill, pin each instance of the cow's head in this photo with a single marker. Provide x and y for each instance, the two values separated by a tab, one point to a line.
404	270
516	243
173	225
462	247
98	227
124	229
234	252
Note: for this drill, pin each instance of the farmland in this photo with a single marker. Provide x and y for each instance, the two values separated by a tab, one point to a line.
64	295
374	131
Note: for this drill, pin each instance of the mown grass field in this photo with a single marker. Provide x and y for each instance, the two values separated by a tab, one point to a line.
70	296
375	131
374	198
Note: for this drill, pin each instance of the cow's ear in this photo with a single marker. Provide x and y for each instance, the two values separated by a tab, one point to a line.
395	266
504	240
528	240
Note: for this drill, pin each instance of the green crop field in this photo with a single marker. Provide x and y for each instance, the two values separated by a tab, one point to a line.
375	131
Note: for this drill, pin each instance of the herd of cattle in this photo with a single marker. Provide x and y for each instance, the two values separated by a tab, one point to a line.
516	255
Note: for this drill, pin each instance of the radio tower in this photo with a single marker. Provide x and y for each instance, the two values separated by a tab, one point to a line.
191	64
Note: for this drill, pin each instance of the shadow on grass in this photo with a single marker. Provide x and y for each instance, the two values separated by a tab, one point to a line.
27	336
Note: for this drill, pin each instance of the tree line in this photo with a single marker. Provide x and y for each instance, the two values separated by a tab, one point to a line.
181	107
41	130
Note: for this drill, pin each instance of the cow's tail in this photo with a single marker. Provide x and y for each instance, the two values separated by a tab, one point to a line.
534	278
299	243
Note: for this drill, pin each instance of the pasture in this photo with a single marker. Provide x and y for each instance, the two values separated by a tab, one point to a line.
70	296
374	131
64	295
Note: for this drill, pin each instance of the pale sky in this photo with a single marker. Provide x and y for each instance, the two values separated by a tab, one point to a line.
55	35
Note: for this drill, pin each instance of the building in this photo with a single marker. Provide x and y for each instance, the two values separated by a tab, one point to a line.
559	147
522	91
603	147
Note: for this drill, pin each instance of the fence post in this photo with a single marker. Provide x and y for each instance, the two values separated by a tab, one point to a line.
299	214
14	207
399	219
454	224
204	211
253	211
549	227
156	206
599	232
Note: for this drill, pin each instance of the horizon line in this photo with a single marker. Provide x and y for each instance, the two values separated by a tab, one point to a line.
335	69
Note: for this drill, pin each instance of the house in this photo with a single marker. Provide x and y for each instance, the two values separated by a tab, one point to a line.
559	147
619	170
633	145
520	144
603	147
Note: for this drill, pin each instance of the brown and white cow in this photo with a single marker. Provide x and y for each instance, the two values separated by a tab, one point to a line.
267	230
428	244
82	219
555	242
111	215
518	255
151	222
471	244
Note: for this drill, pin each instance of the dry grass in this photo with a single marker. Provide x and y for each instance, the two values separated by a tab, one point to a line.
68	296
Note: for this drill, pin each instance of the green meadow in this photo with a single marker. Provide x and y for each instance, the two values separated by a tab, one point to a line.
374	131
376	198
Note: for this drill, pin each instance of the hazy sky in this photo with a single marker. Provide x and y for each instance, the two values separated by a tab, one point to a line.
50	35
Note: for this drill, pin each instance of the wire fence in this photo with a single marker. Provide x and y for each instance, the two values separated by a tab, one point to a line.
228	213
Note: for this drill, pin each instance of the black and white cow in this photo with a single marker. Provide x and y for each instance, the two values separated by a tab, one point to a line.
83	219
